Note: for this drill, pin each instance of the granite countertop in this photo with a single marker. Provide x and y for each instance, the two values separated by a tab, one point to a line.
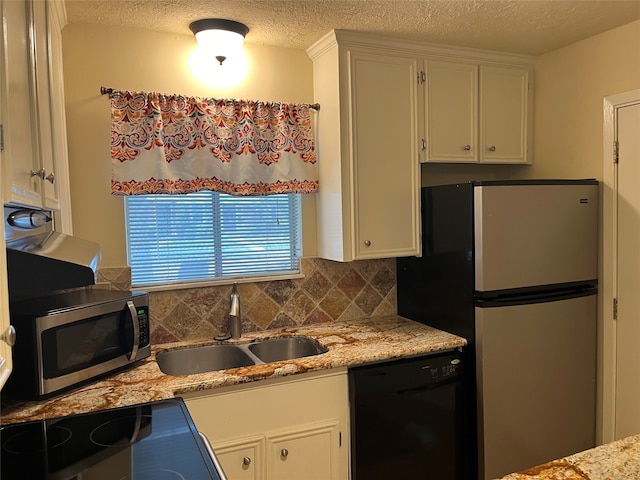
619	460
349	344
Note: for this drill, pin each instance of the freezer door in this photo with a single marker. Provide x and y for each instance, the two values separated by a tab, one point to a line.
536	382
527	235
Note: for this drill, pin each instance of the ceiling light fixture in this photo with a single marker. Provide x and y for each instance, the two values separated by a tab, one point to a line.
219	36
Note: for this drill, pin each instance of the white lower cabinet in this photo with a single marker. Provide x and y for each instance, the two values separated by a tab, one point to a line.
282	429
306	451
242	459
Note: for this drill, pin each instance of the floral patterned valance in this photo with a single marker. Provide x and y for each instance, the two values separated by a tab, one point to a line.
176	144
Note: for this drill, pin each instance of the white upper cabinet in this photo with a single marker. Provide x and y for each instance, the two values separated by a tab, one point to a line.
505	108
20	152
386	106
35	149
385	167
451	112
478	112
368	200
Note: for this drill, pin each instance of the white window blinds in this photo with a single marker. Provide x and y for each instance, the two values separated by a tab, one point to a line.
209	235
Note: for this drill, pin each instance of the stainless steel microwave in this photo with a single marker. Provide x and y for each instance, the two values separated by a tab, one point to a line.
68	339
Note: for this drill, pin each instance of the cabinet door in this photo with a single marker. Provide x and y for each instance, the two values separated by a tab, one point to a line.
451	119
504	102
385	171
310	452
305	414
43	119
6	340
242	460
20	139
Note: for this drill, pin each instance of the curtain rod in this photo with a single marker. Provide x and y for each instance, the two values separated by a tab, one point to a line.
109	91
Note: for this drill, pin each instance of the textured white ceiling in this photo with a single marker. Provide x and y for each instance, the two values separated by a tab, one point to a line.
520	26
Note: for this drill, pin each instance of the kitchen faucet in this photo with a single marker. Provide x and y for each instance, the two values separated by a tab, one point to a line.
235	320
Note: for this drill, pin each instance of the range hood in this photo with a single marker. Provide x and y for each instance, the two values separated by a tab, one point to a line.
41	260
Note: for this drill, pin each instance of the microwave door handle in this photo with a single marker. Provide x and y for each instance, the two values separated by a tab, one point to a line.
136	330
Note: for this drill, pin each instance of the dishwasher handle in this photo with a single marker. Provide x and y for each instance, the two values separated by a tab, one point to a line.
426	388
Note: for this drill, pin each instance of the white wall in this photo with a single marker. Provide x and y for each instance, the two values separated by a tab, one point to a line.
129	59
572	84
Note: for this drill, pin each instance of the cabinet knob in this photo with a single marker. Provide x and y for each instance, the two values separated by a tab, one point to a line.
467	147
284	453
9	336
367	243
492	148
40	173
51	178
246	461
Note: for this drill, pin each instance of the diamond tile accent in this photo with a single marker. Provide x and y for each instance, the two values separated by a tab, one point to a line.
335	303
330	291
368	300
351	284
317	285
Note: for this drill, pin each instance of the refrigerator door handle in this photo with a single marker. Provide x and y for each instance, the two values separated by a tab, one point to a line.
482	300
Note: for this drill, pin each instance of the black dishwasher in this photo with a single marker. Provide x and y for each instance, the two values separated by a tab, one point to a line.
407	419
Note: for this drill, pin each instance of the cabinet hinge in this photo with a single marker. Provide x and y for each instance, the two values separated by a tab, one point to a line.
616	152
615	308
422	77
1	137
339	439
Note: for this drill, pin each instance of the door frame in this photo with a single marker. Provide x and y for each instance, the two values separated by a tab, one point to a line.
606	401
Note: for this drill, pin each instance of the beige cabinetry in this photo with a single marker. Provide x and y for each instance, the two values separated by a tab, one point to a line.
505	120
451	111
281	429
368	201
388	105
477	112
7	336
35	161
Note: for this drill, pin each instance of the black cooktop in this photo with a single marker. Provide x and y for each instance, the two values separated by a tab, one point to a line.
151	441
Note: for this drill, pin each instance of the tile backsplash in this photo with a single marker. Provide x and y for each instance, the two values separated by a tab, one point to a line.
330	291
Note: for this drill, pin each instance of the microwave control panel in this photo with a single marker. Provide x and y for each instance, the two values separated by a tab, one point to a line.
143	322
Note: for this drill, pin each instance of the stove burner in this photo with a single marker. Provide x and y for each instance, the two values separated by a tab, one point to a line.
120	431
31	440
154	441
158	474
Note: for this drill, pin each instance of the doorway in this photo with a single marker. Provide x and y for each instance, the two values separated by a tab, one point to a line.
621	268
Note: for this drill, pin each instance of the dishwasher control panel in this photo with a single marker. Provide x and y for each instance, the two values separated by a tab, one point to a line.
442	367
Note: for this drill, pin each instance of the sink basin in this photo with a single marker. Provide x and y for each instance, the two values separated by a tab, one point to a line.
288	348
187	361
209	358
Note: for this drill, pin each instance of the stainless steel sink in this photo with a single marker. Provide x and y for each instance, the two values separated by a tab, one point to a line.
187	361
287	348
209	358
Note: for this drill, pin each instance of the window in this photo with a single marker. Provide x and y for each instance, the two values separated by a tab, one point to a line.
209	235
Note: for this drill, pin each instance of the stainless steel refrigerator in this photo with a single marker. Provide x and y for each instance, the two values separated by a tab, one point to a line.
512	267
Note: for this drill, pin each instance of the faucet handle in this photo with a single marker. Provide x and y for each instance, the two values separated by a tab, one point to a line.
235	318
